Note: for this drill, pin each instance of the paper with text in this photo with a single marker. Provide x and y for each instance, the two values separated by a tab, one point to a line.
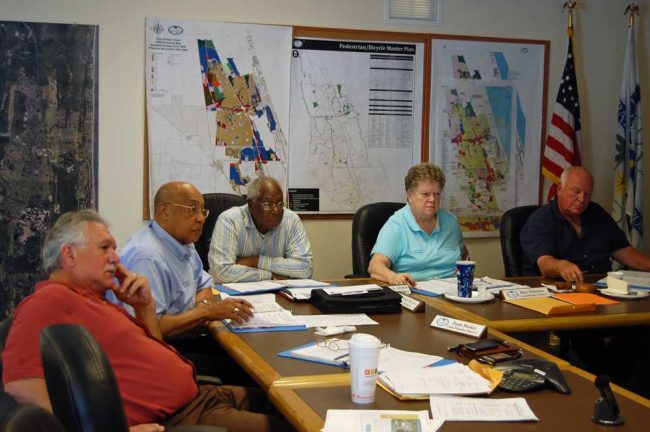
450	408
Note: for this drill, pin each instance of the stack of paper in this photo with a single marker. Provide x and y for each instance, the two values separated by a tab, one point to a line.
327	320
451	379
454	408
379	421
436	287
335	351
268	315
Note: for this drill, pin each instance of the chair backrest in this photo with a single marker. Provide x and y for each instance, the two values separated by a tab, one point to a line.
5	325
510	226
80	381
366	225
216	203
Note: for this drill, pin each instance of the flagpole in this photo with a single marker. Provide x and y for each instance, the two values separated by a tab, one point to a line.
631	9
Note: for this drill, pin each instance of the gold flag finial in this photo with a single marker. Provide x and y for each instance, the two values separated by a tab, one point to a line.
631	9
571	6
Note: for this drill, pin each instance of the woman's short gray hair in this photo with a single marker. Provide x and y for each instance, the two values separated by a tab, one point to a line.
70	228
424	171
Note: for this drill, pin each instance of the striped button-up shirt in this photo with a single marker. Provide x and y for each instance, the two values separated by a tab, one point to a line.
284	250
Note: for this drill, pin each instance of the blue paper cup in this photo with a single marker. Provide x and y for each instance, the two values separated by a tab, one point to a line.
465	277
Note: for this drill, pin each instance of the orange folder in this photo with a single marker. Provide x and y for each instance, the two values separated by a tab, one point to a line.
585	298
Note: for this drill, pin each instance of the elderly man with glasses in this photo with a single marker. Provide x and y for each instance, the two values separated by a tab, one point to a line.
163	251
260	240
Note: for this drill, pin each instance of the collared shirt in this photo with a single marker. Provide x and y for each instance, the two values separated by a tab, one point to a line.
411	250
547	232
174	270
153	379
284	250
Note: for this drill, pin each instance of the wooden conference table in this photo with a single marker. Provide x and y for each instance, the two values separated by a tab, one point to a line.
303	391
507	317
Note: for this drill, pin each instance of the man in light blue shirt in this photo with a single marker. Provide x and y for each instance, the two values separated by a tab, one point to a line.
260	240
420	241
163	251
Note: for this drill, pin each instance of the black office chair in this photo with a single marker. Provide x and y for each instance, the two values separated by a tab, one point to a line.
216	203
366	225
512	221
15	417
81	383
5	325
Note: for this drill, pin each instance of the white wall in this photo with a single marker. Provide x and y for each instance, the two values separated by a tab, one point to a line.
600	42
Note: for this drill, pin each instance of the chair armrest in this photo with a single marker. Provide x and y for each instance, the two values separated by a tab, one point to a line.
356	276
207	379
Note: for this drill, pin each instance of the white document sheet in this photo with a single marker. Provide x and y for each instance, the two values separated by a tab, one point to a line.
248	287
379	421
302	283
354	289
454	408
438	286
334	320
393	359
452	379
261	302
268	319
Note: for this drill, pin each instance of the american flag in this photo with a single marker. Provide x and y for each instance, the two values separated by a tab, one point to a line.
562	148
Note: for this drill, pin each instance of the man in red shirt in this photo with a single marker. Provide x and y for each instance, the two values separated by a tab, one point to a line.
157	385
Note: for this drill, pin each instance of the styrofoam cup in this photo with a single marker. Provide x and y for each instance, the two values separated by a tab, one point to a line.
364	356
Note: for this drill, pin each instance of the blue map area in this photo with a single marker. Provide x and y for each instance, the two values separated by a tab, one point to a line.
521	123
502	65
501	103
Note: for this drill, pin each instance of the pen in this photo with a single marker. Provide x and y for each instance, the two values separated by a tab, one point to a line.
342	356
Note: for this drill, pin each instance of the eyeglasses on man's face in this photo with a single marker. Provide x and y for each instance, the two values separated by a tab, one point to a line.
267	206
194	209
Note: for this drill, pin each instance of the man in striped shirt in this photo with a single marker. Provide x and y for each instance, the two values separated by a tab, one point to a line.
260	240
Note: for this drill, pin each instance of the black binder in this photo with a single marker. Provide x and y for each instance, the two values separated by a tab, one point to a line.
376	301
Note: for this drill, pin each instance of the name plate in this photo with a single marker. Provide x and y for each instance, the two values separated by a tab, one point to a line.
458	326
412	304
402	289
520	293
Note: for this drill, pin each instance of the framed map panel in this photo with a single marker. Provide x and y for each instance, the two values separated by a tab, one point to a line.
486	125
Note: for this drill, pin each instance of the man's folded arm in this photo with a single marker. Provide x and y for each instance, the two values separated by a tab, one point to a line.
297	262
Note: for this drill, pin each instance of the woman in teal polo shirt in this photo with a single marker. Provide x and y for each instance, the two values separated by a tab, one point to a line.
420	241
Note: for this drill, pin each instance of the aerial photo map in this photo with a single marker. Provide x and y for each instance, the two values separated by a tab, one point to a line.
48	126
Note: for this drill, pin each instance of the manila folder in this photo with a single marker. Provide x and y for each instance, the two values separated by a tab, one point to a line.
552	306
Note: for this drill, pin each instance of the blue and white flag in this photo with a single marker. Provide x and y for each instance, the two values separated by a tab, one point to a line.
628	179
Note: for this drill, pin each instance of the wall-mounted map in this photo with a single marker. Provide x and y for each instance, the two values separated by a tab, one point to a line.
217	103
487	104
356	122
48	141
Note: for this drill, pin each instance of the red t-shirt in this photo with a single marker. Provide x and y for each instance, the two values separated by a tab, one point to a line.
154	380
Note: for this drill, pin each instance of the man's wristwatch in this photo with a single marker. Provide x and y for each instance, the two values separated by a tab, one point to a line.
205	302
